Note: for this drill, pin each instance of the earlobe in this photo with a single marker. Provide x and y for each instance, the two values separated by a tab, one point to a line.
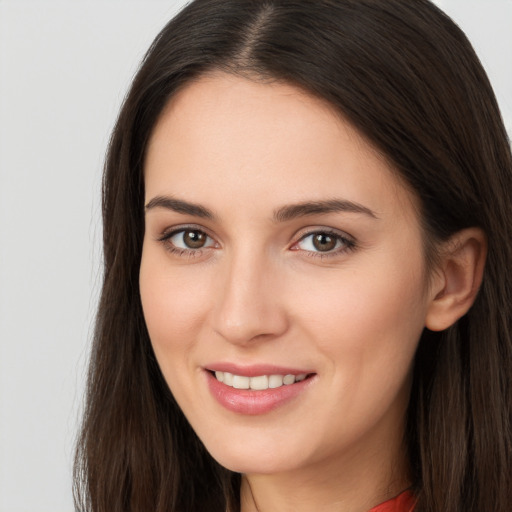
458	278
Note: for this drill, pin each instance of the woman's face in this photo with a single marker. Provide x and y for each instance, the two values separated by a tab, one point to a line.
281	254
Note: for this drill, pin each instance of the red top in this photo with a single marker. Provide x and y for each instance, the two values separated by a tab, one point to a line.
402	503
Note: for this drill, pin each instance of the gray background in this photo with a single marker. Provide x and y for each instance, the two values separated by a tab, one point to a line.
64	68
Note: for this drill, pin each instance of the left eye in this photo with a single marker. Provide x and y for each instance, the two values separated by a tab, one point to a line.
190	239
322	242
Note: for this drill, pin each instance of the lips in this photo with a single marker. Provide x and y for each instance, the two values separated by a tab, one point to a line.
256	389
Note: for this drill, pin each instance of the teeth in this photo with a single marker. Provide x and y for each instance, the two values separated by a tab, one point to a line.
288	379
260	382
275	381
240	382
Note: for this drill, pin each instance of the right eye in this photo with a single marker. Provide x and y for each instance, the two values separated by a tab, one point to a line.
188	240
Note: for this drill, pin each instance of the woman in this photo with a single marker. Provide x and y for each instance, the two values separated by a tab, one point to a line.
306	301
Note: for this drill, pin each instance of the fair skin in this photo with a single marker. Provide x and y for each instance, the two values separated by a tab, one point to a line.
235	277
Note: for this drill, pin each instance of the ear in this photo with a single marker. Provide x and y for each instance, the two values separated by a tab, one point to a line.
457	279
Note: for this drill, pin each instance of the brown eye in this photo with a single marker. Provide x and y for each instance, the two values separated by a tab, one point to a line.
189	239
323	242
194	239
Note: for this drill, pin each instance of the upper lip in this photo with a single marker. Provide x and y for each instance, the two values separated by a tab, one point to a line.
255	369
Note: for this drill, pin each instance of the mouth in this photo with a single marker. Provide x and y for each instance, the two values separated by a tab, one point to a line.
258	382
258	388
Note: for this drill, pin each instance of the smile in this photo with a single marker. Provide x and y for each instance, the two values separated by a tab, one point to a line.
258	389
259	382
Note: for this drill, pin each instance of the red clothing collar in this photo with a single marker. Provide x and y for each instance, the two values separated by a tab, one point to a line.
402	503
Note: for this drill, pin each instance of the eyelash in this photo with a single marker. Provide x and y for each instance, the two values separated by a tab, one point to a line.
348	243
165	239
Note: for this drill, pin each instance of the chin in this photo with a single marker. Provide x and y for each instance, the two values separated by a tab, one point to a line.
252	459
263	466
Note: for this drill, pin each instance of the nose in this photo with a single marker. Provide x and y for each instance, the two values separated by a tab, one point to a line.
249	305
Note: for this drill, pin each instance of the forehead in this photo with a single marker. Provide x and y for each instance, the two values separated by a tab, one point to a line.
222	136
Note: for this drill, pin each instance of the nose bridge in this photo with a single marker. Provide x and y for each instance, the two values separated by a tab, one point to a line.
248	303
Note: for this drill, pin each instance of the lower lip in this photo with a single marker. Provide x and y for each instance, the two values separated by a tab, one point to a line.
246	401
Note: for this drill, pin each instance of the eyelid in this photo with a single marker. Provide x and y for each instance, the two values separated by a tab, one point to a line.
348	241
173	230
167	234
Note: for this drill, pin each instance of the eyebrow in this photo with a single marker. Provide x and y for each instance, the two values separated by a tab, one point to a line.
304	209
282	214
179	206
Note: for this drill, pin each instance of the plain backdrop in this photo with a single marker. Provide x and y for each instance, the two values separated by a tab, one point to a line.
64	69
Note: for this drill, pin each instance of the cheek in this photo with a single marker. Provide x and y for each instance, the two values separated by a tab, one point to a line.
367	319
367	326
173	302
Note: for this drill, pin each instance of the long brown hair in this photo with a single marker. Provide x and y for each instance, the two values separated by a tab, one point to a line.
407	78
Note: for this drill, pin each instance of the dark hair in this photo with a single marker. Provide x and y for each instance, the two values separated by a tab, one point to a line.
408	79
